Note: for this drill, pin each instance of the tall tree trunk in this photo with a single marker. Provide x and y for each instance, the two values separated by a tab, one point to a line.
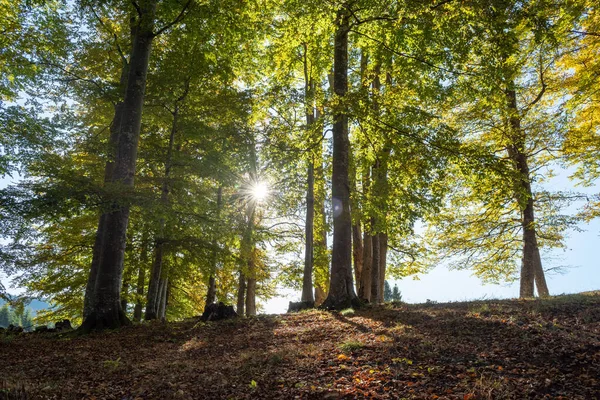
241	294
341	287
212	286
113	141
320	251
531	266
106	311
307	281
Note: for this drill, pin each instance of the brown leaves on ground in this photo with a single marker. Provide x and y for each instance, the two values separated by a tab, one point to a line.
478	350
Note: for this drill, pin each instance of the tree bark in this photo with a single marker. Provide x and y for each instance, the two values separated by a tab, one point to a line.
106	311
113	141
531	265
212	286
341	287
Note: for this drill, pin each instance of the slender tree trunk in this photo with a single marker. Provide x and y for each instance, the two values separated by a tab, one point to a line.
376	295
357	252
241	294
383	242
106	309
341	287
364	292
141	281
212	286
153	294
162	299
307	282
137	311
320	251
531	266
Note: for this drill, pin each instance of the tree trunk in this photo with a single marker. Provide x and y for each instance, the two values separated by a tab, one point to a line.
97	249
162	298
241	294
141	281
341	287
383	241
320	251
376	295
113	141
137	311
106	311
309	226
364	292
212	286
251	291
531	265
153	295
357	252
307	282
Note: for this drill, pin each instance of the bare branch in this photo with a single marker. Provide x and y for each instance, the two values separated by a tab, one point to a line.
586	33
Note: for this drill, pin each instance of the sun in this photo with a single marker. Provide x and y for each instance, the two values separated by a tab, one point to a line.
259	191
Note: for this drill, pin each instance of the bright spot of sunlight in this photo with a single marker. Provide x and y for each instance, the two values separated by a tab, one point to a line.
259	191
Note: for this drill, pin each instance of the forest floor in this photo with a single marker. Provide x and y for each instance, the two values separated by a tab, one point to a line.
496	349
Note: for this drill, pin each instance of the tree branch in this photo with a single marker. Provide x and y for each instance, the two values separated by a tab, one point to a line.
178	19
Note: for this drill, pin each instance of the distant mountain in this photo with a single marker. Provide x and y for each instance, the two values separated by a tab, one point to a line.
35	305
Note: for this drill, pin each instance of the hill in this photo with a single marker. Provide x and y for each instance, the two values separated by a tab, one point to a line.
505	349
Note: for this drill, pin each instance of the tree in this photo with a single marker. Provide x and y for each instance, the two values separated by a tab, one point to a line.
507	110
396	296
341	288
387	292
5	316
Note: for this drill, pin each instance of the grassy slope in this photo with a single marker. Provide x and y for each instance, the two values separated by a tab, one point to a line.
476	350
